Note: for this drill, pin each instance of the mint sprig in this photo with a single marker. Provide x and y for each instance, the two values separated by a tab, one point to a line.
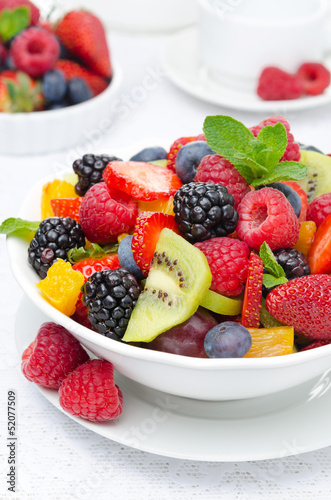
13	21
12	225
275	273
256	159
95	252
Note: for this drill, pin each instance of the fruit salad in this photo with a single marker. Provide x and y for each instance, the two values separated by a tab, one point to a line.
219	247
50	65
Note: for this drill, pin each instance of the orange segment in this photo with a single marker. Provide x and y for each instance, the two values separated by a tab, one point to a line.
62	286
268	342
52	190
164	205
306	236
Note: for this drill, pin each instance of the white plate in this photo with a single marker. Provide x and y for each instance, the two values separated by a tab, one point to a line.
275	426
182	65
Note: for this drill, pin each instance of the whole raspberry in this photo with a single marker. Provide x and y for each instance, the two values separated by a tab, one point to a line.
105	213
292	151
277	85
35	51
52	356
228	262
218	170
319	208
266	215
314	77
13	4
90	392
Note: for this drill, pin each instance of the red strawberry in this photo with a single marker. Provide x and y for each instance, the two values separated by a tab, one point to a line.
305	304
5	103
84	36
304	199
145	236
319	255
250	316
13	4
93	265
71	69
174	148
316	343
140	180
25	92
66	207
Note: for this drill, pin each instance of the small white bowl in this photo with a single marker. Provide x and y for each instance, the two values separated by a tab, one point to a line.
47	131
204	379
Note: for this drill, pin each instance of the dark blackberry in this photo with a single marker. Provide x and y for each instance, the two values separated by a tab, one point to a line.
293	262
110	297
204	210
53	239
89	170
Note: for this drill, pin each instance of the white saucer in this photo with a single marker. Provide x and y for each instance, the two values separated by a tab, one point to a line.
283	424
181	62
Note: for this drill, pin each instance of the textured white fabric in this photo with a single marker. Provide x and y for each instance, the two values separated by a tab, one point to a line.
58	458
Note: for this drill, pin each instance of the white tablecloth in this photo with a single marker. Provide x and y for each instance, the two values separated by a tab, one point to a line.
58	458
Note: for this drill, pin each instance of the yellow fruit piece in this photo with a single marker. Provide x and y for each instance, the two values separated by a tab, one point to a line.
163	205
121	237
306	236
62	286
52	190
267	342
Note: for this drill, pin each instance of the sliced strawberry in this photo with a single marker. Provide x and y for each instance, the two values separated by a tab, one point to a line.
142	181
319	255
304	199
316	343
305	304
250	316
92	265
66	207
174	148
145	236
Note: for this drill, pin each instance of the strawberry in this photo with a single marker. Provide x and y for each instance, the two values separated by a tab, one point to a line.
319	255
66	207
24	93
71	69
140	180
84	36
250	316
305	304
145	236
5	104
304	198
93	265
316	343
174	148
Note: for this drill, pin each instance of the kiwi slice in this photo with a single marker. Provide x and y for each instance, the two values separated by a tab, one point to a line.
177	281
220	304
159	163
266	319
318	178
71	178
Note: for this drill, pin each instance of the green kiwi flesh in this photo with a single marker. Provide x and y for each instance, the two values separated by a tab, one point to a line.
266	319
318	178
220	304
159	163
177	281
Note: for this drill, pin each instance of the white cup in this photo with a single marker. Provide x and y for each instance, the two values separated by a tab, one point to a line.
239	38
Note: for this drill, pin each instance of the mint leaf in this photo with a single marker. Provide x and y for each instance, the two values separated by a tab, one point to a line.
270	281
230	138
258	169
283	171
270	263
13	22
96	252
275	140
12	225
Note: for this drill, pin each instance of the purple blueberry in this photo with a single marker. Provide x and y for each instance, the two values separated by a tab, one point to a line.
54	86
78	91
227	340
125	256
189	158
150	154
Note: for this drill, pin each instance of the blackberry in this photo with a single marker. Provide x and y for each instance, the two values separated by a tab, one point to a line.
89	170
110	297
53	239
204	210
293	262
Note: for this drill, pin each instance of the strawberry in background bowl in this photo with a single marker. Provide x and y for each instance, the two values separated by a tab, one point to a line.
52	67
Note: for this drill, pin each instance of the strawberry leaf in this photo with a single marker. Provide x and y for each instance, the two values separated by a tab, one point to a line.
13	21
12	225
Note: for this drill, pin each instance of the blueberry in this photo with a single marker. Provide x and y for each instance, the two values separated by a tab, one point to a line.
290	194
227	340
310	148
150	154
189	158
54	86
126	258
78	91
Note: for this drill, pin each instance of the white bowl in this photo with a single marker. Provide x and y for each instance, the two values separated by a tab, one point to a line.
205	379
46	131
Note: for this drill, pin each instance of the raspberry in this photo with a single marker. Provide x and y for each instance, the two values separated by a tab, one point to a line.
319	208
314	77
218	170
266	215
292	151
277	85
35	51
90	392
52	356
228	262
105	213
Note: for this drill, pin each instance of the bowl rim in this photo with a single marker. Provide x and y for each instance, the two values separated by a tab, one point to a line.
14	244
